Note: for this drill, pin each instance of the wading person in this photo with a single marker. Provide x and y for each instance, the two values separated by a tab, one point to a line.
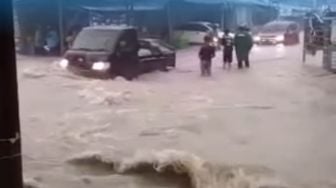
206	53
39	41
227	43
243	44
52	41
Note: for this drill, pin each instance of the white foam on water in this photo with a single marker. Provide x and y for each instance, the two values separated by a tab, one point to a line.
200	173
33	73
102	96
31	184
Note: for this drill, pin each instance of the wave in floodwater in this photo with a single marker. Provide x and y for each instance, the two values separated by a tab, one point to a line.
185	169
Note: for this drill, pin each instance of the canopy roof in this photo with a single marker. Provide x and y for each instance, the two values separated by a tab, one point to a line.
109	5
256	2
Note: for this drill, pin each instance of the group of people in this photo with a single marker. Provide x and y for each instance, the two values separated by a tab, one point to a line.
242	42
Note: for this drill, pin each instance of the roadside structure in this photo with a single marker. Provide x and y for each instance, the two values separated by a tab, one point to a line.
153	18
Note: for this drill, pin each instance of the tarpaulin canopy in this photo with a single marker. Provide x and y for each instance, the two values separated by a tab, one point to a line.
139	5
256	2
67	2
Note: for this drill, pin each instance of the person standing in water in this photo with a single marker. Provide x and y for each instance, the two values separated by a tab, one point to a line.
243	43
39	41
206	54
52	41
227	43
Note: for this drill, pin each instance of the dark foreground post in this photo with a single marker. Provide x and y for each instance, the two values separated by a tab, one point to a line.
10	142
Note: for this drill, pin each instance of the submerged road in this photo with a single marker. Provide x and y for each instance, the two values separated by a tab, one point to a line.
278	114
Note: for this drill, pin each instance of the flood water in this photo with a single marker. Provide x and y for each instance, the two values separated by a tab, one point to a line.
269	126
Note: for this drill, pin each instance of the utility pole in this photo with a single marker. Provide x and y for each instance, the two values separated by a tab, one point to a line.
61	25
315	4
10	139
222	15
130	11
169	21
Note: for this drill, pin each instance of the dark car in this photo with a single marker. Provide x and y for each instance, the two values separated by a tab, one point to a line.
109	51
279	32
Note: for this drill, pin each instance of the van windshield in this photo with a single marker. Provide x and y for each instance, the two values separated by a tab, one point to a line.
96	40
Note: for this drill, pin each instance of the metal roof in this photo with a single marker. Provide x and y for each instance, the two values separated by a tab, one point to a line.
256	2
68	2
280	22
139	5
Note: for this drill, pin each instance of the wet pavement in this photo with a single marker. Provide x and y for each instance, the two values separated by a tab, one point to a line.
278	115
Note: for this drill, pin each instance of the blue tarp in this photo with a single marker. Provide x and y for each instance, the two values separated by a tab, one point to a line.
67	2
256	2
99	5
120	5
139	5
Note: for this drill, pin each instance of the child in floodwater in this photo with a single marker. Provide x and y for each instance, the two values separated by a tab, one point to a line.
228	49
206	54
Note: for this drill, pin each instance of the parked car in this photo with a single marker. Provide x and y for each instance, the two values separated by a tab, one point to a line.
279	32
109	51
218	32
194	32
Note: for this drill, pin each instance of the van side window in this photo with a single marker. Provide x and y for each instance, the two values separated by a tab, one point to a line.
128	42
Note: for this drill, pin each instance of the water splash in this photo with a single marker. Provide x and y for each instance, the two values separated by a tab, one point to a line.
194	170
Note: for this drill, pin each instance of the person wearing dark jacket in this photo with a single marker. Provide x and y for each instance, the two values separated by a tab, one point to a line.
243	44
206	54
227	43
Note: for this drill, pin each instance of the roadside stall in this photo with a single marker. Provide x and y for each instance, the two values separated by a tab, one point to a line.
151	18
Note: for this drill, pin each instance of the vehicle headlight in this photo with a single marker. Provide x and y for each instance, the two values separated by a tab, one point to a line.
100	66
280	38
64	63
256	38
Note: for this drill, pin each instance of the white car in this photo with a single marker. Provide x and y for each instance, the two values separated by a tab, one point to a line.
194	32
